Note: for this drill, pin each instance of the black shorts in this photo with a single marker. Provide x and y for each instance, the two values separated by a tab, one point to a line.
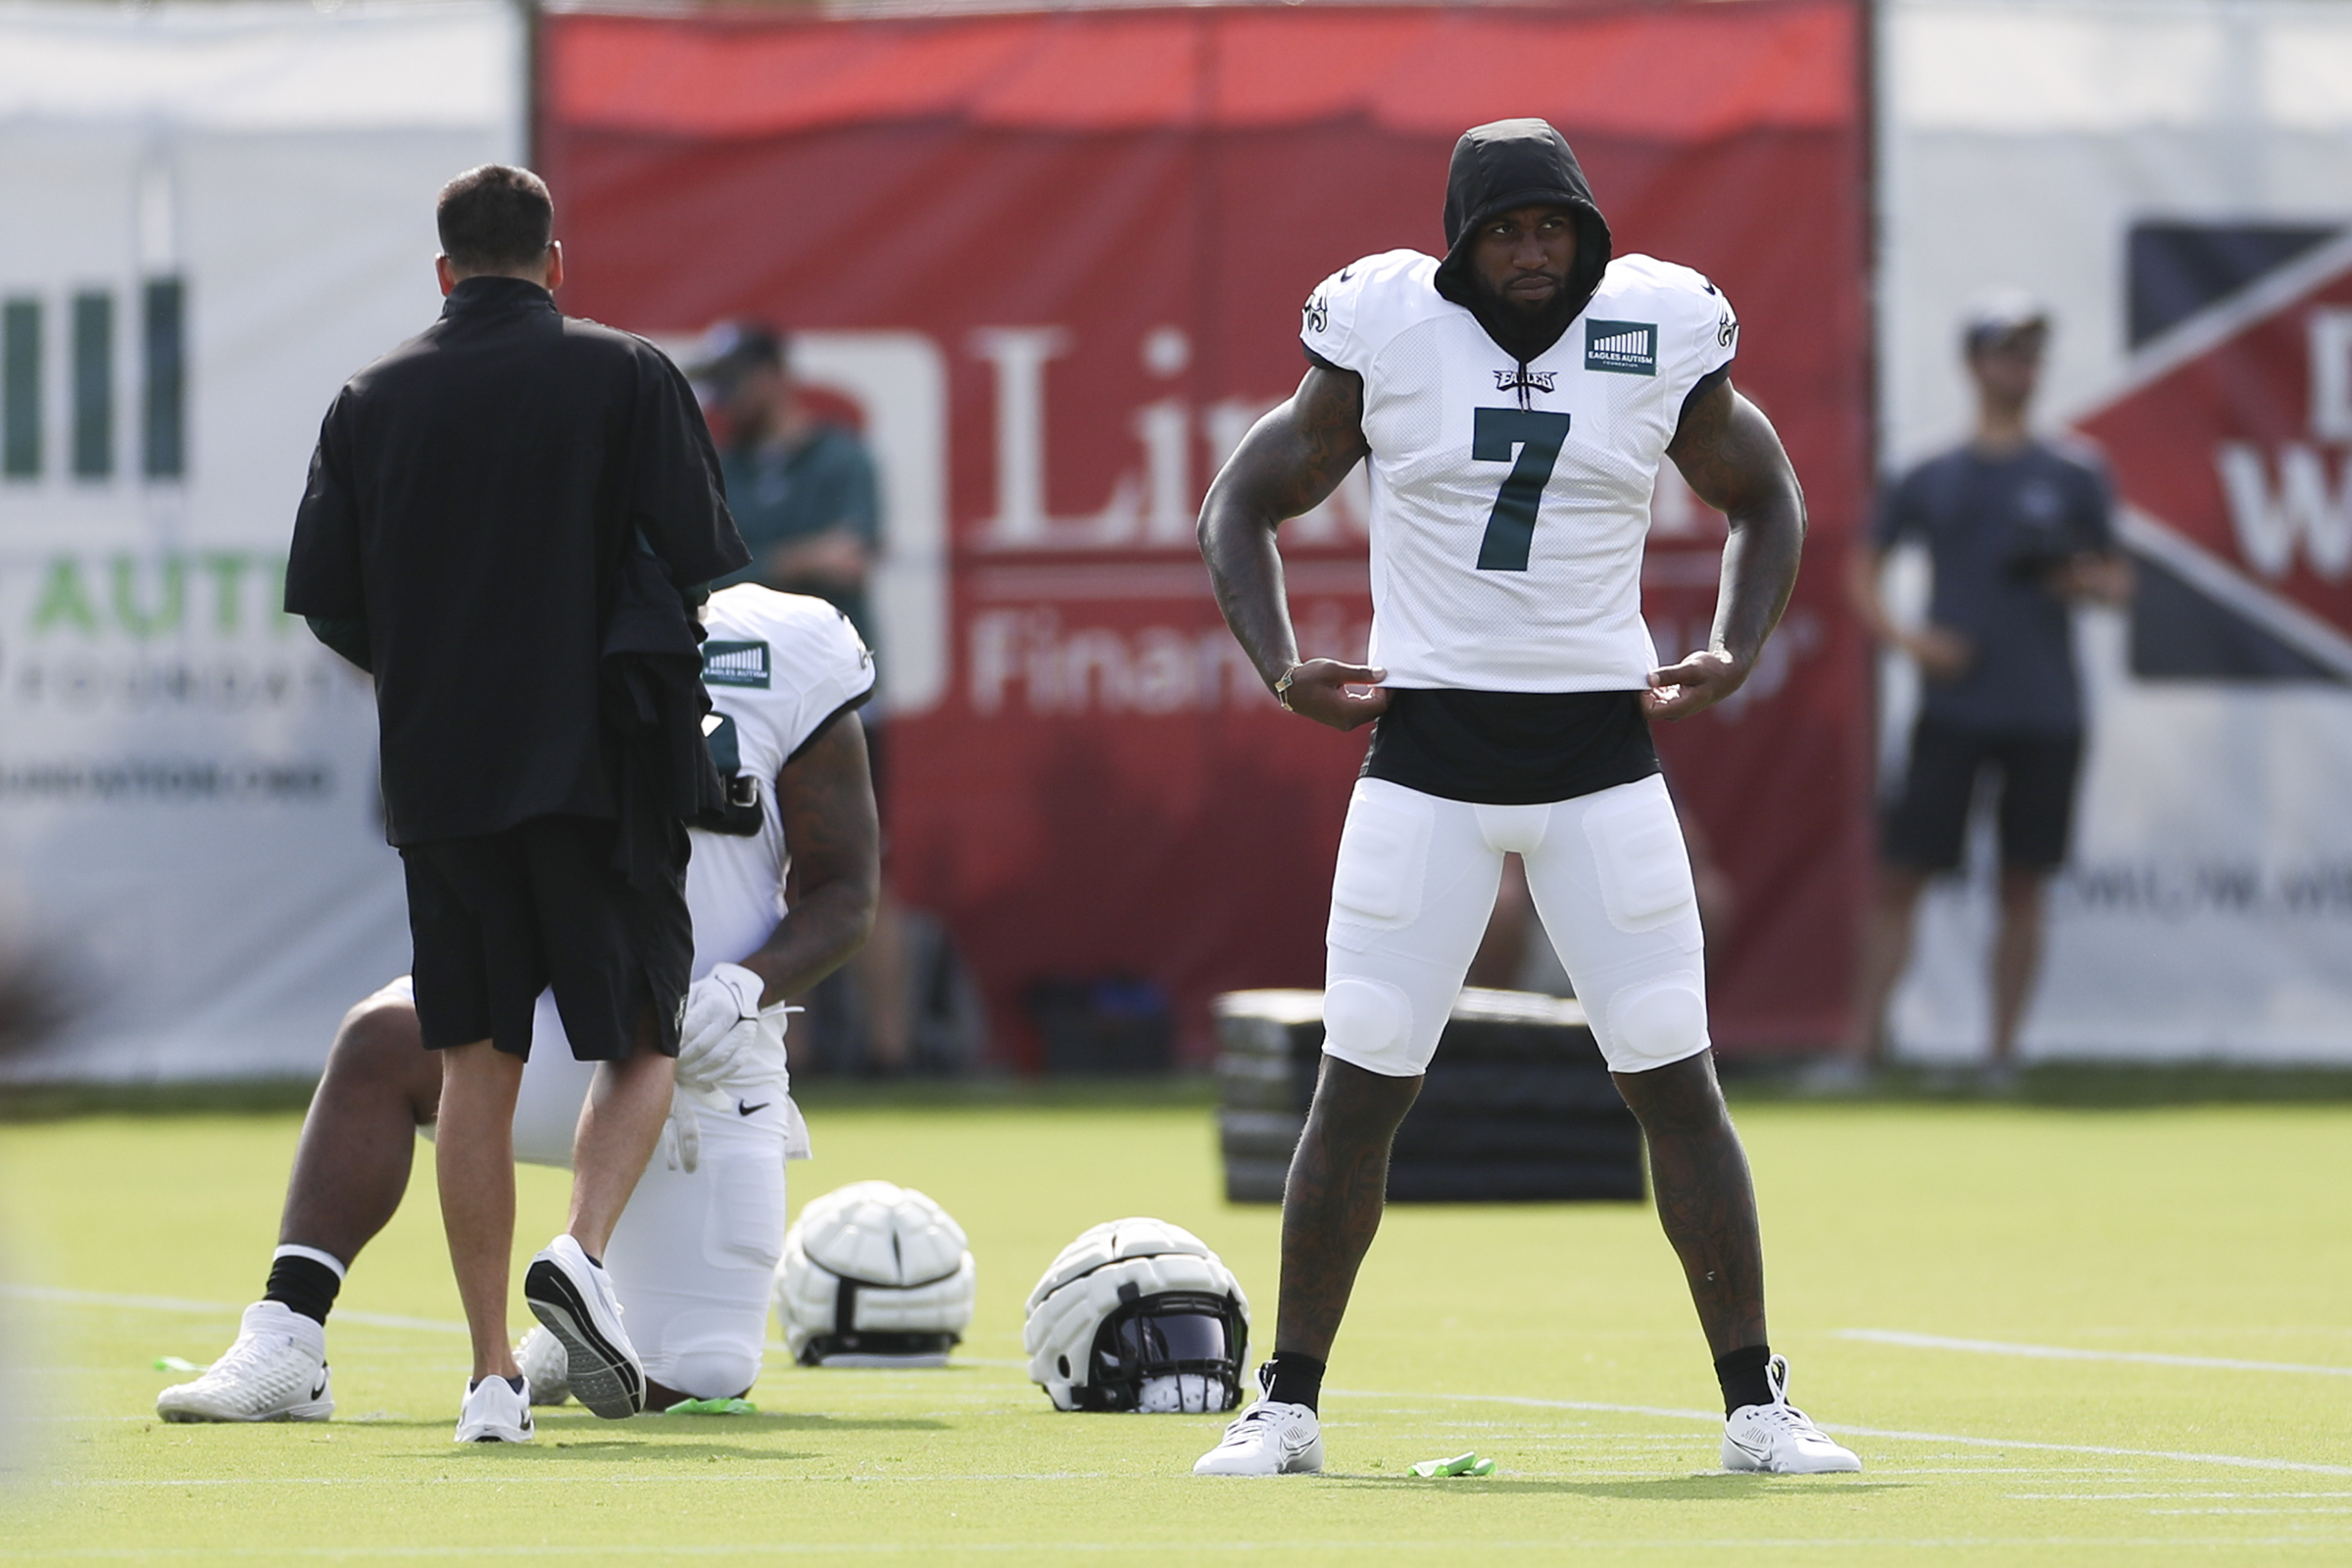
1928	826
497	920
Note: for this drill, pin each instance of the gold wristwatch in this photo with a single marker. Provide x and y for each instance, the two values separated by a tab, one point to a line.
1282	688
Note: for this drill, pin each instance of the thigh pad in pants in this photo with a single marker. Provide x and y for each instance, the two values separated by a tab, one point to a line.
1410	898
694	1259
1612	881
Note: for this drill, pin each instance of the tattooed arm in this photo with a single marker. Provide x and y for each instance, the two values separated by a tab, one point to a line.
826	795
1732	458
1287	462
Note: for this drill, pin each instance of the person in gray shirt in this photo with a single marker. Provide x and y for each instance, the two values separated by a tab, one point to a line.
801	487
2018	530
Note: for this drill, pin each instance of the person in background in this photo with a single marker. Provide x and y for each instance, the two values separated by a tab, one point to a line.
801	488
2018	530
803	491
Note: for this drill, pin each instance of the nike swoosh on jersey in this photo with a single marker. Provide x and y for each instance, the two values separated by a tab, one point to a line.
742	1109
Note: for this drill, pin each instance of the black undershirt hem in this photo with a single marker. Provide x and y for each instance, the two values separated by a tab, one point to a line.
1510	747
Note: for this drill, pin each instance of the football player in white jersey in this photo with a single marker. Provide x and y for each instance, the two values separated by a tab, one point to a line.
1513	402
694	1255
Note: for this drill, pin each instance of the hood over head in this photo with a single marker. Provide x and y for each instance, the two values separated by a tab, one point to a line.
1518	162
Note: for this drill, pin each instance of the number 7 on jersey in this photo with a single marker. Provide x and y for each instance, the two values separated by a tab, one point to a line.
1538	436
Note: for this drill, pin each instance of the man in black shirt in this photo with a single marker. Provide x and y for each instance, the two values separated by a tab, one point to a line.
501	517
2018	530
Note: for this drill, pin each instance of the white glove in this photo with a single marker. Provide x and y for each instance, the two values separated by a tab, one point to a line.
721	1023
682	1135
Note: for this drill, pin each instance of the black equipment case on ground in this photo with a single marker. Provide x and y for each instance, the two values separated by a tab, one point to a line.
1517	1108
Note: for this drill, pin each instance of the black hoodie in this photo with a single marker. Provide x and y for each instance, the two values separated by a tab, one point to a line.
1518	162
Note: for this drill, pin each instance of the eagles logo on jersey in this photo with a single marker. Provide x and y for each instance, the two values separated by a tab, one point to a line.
1511	501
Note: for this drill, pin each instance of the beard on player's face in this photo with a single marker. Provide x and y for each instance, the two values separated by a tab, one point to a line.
1520	293
1522	259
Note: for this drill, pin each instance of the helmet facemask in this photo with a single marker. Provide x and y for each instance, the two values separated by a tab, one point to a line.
1178	1351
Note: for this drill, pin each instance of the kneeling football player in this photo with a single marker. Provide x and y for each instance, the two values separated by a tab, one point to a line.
694	1256
1513	401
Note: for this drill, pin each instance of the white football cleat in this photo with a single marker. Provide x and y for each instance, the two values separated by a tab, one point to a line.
496	1411
546	1366
574	1300
1778	1438
276	1371
1268	1439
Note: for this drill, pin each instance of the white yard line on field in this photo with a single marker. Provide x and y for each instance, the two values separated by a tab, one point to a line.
2161	1496
507	1478
375	1320
173	1303
2235	1460
2239	1461
2059	1352
1448	1549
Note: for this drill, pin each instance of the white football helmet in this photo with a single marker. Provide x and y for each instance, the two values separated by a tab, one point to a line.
1137	1314
874	1275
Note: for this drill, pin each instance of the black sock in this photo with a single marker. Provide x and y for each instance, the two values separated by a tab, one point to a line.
1742	1374
1297	1380
515	1382
302	1285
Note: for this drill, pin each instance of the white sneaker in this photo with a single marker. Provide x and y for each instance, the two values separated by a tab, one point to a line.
276	1371
496	1411
1268	1439
574	1300
546	1366
1778	1438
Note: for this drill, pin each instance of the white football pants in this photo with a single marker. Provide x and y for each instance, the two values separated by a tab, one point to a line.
1415	888
693	1257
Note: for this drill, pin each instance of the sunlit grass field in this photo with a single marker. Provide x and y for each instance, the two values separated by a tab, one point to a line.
1929	1265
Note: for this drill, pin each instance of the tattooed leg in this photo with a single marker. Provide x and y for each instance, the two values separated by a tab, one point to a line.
1331	1204
1706	1201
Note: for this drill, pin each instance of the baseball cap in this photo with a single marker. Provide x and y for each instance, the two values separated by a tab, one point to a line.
732	347
1999	315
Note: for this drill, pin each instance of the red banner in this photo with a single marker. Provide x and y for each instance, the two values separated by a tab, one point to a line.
1083	239
2232	446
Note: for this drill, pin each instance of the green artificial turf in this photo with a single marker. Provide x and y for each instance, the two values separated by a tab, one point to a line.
1557	1340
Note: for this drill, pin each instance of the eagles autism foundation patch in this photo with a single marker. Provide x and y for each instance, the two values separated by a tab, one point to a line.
1627	348
735	665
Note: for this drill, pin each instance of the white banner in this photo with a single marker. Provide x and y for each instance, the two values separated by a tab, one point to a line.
214	215
2174	178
